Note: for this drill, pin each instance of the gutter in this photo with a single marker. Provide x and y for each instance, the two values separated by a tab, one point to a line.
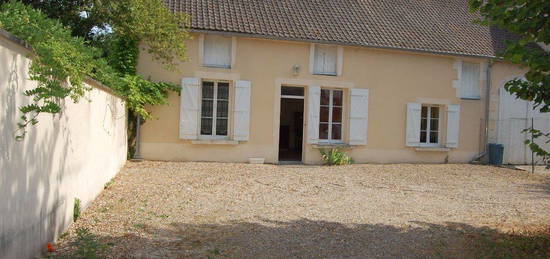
478	157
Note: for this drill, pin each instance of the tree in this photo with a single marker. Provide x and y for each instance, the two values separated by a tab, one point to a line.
530	21
97	38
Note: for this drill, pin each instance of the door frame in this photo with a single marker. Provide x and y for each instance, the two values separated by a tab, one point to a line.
278	98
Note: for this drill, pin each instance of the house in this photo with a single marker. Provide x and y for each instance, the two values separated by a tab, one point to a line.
388	81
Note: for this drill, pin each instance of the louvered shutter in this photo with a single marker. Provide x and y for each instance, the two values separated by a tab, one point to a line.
189	108
453	125
413	124
314	101
241	113
359	114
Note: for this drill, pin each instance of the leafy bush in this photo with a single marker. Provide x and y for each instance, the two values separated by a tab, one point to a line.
335	156
76	209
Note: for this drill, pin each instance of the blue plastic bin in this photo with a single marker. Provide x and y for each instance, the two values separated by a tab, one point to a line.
496	152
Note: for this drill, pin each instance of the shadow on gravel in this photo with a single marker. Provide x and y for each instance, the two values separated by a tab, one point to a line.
308	238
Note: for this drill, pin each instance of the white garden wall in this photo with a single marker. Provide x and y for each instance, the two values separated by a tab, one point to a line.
66	156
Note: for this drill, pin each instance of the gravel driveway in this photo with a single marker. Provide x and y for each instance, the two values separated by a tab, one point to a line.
210	210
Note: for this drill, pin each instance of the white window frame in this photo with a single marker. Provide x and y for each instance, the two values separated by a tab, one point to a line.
428	126
215	110
339	60
330	122
232	55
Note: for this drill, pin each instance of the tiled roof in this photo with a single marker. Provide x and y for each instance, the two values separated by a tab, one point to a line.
440	26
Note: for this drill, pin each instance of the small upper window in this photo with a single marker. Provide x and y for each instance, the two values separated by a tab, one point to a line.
429	125
217	51
469	81
325	60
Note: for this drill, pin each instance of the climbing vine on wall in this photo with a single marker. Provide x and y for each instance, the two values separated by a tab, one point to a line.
61	62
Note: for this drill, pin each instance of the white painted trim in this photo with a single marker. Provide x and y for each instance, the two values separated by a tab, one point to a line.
311	58
457	66
292	97
233	51
340	60
201	49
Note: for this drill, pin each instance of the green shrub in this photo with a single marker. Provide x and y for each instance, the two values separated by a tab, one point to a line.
335	156
76	209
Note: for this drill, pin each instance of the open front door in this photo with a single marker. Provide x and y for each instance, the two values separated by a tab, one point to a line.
291	127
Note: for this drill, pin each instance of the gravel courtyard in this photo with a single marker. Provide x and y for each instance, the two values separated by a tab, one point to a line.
211	210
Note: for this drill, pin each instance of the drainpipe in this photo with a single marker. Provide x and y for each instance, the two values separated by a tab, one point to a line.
487	111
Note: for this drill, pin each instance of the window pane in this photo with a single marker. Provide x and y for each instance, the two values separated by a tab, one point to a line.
423	124
206	126
207	90
289	90
336	114
434	112
325	96
323	131
324	114
337	98
207	108
222	108
424	112
434	124
433	136
336	131
423	137
223	90
221	127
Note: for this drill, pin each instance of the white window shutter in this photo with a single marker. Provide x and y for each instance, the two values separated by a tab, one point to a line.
189	108
241	113
453	125
413	124
359	116
469	87
217	51
314	106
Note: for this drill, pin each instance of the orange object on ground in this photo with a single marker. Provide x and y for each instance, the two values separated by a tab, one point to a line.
51	248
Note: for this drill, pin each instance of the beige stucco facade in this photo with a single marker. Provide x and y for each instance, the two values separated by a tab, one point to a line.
65	156
393	77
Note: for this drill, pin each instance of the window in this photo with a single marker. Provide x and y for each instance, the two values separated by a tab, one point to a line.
217	51
325	60
214	108
469	81
429	125
330	119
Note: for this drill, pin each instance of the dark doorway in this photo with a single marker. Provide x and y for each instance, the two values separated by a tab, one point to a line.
291	129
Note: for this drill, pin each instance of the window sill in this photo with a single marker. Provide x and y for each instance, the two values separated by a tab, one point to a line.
331	145
217	66
317	74
214	142
433	149
470	98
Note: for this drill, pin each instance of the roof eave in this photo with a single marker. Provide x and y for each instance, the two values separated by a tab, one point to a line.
261	36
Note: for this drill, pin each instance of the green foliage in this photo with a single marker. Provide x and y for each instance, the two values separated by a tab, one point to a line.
148	22
60	64
335	156
88	245
529	20
76	209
